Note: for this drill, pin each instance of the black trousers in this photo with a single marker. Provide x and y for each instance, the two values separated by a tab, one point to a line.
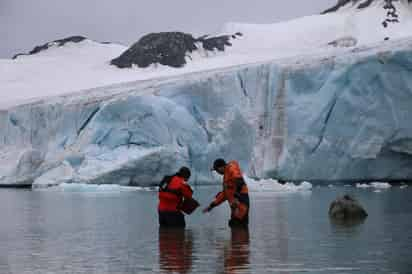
235	222
171	219
242	223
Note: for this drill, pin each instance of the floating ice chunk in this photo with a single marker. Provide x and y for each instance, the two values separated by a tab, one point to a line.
359	185
403	186
305	186
94	188
380	185
271	185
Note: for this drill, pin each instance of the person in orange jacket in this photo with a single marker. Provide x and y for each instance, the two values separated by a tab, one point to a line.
235	191
172	192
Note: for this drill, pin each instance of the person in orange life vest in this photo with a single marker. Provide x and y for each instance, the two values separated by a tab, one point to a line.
172	191
235	191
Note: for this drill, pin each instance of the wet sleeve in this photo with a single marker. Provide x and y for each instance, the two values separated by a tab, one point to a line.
220	198
186	191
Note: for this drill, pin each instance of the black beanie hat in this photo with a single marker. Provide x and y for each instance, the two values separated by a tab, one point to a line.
184	172
218	163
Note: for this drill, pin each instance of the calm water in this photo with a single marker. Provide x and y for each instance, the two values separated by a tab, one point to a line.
66	232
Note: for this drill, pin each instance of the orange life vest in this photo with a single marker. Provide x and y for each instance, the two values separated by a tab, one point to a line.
171	196
235	191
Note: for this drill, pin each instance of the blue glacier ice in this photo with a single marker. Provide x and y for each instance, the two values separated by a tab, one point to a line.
309	118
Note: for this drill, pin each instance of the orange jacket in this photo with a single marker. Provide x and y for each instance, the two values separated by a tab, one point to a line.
233	184
171	199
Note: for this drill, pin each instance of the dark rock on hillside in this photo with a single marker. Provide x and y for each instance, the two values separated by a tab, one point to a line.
360	4
392	16
346	208
338	5
216	43
365	4
59	43
168	48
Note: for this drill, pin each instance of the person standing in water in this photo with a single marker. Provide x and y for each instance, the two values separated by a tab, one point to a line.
235	191
173	191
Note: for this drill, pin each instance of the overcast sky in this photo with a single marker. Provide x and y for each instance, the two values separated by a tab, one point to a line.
26	23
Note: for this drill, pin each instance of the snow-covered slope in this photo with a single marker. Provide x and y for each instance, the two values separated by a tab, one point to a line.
85	65
312	33
288	109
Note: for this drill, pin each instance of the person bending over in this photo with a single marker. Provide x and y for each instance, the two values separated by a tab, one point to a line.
235	191
173	190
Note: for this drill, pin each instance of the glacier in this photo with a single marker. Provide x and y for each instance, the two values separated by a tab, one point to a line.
320	117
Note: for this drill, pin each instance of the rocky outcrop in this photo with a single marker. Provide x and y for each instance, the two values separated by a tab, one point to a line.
360	4
346	208
169	49
58	43
342	3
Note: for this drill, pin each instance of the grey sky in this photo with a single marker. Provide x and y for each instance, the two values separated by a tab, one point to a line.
26	23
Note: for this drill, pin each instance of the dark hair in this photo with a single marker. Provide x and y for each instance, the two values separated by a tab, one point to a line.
184	172
219	163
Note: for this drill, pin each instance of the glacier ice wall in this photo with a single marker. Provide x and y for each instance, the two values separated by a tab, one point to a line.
312	118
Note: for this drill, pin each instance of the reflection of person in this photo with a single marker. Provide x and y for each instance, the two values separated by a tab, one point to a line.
172	192
175	250
236	256
235	191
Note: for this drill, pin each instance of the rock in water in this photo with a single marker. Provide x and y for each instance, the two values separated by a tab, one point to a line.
346	208
169	49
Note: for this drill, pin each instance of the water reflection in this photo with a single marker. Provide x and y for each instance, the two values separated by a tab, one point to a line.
71	233
175	250
346	223
236	254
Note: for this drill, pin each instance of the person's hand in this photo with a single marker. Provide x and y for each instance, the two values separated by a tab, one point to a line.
206	209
